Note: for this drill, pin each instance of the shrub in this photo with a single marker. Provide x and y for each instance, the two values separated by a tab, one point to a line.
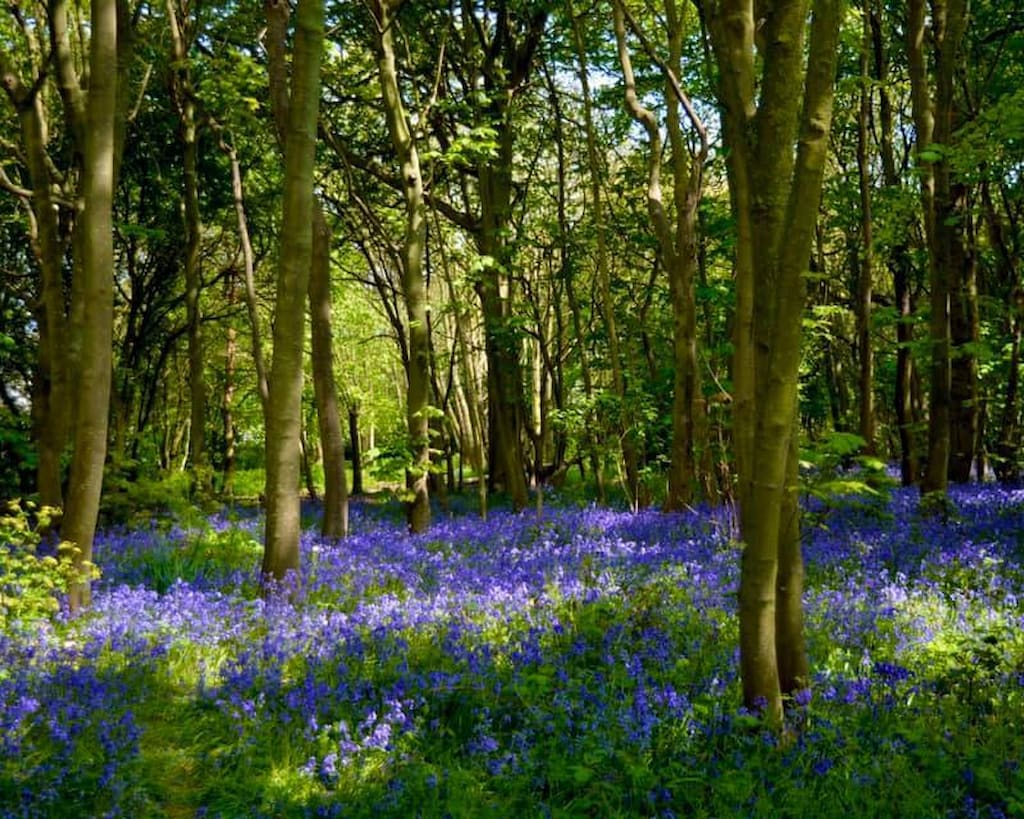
31	583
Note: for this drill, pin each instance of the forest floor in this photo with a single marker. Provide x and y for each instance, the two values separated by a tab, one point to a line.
577	662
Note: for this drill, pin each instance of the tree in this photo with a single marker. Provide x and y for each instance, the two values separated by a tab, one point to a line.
93	284
414	288
335	516
284	408
183	93
777	142
498	46
677	243
50	402
942	203
865	353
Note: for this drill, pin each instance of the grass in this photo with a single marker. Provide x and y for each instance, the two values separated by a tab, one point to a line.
578	664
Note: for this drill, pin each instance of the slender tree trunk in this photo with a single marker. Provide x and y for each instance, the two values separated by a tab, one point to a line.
284	415
865	353
50	392
334	523
414	289
933	122
228	401
1007	449
251	303
184	100
900	265
678	243
476	445
357	457
96	245
501	341
335	516
308	456
630	455
590	432
965	406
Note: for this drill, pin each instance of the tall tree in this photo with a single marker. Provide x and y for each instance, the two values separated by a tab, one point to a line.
500	44
50	400
335	516
777	142
900	262
182	27
284	408
865	352
677	242
941	202
94	281
414	287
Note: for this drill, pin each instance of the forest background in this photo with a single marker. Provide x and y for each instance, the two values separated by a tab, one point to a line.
676	250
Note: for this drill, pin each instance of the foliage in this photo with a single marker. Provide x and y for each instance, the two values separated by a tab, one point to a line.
17	454
134	500
835	472
33	580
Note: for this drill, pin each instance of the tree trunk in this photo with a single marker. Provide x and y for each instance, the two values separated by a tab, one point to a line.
334	523
1007	450
251	303
96	246
761	131
284	409
630	455
865	354
357	457
414	289
900	265
184	99
50	400
501	339
335	516
790	647
228	401
933	123
678	243
590	432
474	444
964	408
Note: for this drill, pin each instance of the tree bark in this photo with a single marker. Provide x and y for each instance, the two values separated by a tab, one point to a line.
590	434
900	265
334	522
228	399
284	411
678	242
630	455
184	100
964	332
865	353
414	289
933	123
775	193
96	247
50	399
1007	450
